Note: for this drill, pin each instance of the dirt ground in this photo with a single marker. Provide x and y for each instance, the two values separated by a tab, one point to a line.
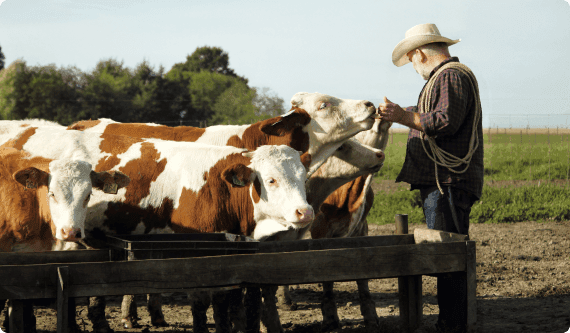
523	285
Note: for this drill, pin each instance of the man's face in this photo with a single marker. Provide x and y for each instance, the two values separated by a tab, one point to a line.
421	68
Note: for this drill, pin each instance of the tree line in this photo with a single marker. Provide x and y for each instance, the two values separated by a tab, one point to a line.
201	91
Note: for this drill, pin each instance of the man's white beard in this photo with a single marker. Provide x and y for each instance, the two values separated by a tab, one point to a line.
420	68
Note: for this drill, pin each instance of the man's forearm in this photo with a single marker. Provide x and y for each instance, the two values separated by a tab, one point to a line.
411	120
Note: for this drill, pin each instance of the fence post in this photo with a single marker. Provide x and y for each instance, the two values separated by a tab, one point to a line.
63	299
409	289
16	315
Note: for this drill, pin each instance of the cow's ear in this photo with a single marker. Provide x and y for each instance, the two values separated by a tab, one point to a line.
32	177
280	125
306	160
237	175
297	99
109	181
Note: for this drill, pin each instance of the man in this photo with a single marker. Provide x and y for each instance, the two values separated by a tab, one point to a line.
445	130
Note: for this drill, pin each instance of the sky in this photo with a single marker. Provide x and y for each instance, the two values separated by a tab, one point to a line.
518	50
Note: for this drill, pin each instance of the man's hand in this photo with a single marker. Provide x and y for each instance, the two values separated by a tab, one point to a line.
390	112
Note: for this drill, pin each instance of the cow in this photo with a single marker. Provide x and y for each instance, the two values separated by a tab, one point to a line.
184	186
317	124
43	200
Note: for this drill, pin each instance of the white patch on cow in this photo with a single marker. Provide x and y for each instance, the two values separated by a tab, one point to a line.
282	178
185	168
100	127
220	134
267	228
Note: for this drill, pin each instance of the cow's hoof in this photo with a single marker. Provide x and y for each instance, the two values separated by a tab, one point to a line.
159	322
130	323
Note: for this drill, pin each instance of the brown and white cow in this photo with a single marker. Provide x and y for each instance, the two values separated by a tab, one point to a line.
43	200
340	192
317	124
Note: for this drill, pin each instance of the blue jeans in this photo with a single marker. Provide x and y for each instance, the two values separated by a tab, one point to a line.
451	288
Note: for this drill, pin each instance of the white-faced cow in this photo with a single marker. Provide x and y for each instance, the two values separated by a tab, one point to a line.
44	200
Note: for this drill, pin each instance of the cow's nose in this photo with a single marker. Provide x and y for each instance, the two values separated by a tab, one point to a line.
71	234
305	214
369	104
380	155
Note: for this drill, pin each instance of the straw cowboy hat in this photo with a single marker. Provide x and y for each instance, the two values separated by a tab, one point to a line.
415	37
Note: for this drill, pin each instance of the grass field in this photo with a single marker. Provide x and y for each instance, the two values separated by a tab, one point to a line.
537	161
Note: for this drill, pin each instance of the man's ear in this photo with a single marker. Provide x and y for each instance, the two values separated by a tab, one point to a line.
32	177
422	55
280	125
109	181
237	175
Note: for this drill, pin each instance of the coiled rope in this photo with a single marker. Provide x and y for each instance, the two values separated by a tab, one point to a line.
441	157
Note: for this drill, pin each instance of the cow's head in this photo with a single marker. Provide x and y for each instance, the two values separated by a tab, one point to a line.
333	121
350	161
276	177
67	189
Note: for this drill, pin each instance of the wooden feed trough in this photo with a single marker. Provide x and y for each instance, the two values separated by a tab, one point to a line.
92	273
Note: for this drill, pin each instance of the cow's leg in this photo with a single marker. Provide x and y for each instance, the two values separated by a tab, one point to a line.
252	303
237	310
284	299
200	301
29	317
129	312
220	303
269	313
328	308
154	306
367	306
96	314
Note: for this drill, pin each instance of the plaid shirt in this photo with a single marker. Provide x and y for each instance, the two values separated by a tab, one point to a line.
449	122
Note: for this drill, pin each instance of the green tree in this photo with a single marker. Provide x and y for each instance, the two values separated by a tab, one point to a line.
235	106
205	88
210	59
2	59
44	92
108	92
268	104
6	88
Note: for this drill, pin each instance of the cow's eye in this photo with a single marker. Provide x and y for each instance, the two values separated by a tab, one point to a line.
324	105
271	181
50	194
88	197
341	148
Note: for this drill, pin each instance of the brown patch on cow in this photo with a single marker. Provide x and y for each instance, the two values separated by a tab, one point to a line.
20	141
276	131
256	193
123	217
306	160
217	206
83	125
339	206
144	131
114	145
26	218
